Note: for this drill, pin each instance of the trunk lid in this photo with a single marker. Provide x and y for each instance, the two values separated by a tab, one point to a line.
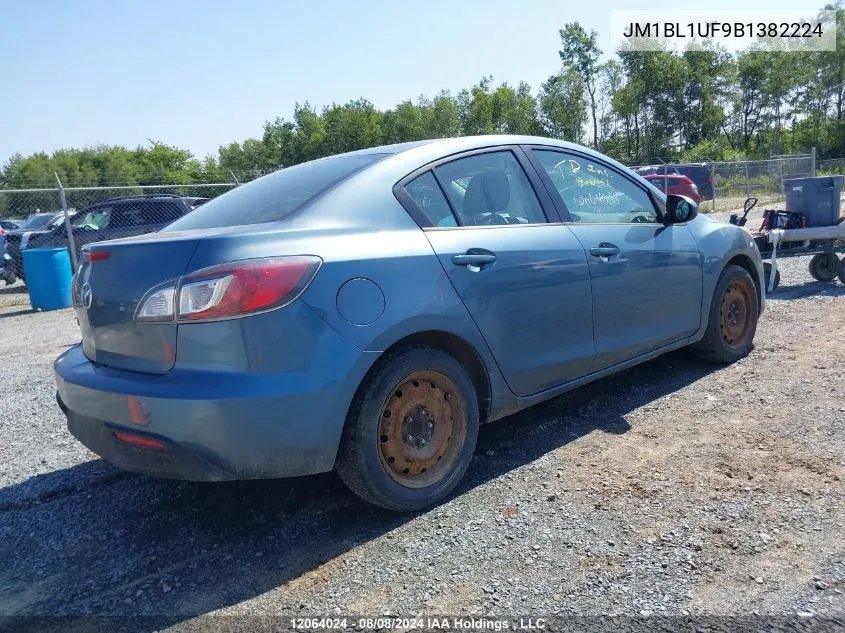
107	293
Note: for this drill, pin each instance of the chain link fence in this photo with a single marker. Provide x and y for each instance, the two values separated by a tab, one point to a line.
830	167
96	213
724	186
71	217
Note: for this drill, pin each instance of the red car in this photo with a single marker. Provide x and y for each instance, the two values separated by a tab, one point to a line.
678	185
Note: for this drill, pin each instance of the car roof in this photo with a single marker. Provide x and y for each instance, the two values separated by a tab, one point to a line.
465	143
149	196
398	161
411	156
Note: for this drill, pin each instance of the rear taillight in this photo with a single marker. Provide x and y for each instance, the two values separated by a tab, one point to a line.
95	256
231	290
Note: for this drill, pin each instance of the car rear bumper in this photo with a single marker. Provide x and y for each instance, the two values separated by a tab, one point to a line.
172	460
215	425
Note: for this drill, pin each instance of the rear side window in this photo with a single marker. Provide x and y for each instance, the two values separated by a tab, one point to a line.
427	194
124	217
274	197
490	188
159	212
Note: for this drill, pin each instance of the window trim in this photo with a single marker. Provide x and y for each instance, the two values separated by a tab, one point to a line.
405	199
659	209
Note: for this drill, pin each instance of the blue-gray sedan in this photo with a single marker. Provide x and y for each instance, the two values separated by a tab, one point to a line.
366	312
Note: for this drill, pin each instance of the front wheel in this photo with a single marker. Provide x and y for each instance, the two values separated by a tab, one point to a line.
732	321
411	430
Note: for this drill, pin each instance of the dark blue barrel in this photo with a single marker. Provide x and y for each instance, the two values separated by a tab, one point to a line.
816	198
48	277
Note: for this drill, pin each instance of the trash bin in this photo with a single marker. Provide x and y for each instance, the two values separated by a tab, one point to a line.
816	198
48	277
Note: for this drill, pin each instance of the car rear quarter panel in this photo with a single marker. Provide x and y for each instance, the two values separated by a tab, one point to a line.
417	294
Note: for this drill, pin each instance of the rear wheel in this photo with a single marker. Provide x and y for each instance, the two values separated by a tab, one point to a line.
732	321
824	266
411	430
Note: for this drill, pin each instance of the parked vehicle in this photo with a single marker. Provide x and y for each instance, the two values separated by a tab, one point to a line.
8	225
112	219
38	221
675	184
18	240
325	316
656	170
7	274
699	173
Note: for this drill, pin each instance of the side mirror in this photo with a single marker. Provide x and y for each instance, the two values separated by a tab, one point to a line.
679	209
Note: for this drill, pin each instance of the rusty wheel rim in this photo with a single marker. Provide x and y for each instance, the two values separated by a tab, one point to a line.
422	428
735	314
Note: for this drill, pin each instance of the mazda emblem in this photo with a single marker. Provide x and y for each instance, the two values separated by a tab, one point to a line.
86	296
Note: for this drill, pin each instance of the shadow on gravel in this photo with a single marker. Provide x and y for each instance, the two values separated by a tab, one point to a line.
6	315
13	290
808	289
94	540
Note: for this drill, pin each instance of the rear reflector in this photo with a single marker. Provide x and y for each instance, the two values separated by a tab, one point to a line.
95	256
139	440
136	410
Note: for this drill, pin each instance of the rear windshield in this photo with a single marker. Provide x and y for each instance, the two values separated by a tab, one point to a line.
274	197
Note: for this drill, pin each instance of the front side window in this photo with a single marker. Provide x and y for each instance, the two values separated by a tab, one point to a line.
95	219
490	188
593	192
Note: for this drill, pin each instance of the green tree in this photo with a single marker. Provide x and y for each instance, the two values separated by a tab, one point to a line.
563	105
476	108
580	50
355	125
403	123
441	117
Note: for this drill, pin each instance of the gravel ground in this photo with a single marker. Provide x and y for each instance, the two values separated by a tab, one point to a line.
14	295
676	487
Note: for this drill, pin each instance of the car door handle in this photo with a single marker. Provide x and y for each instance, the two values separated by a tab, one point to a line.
604	250
473	259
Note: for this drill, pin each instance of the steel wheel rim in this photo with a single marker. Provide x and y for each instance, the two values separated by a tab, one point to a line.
735	313
422	429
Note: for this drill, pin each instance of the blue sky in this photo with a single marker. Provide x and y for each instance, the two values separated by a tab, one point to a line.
201	74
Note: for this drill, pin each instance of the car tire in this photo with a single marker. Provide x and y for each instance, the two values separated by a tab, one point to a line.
841	273
411	430
732	321
824	266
